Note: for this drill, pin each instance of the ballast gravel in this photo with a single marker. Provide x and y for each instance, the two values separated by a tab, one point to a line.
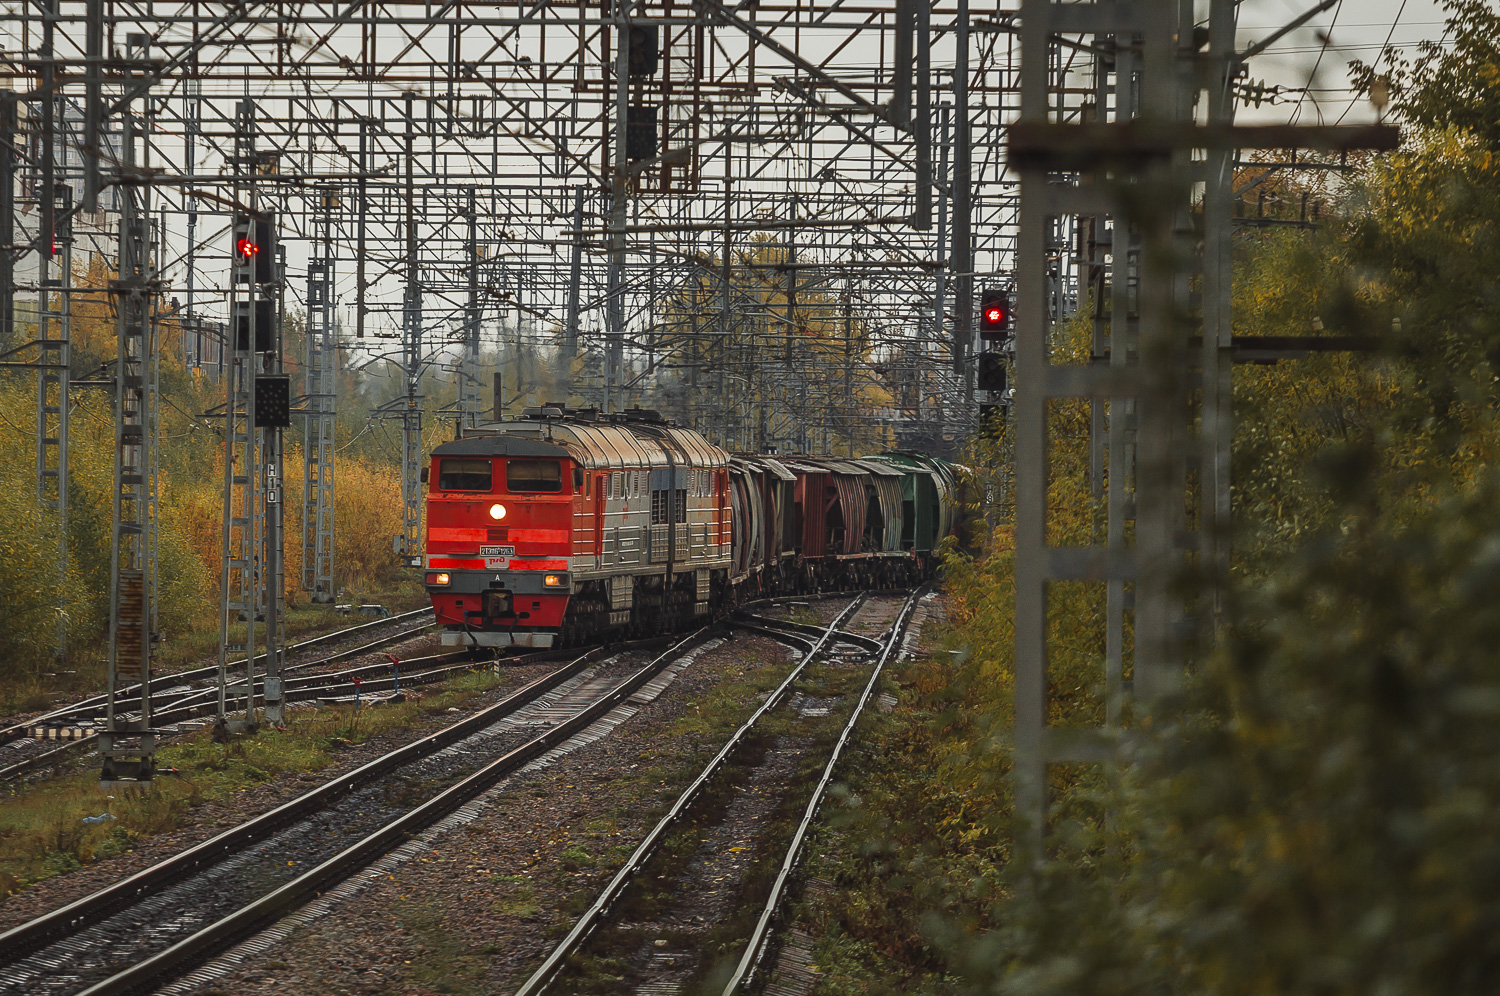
211	818
483	904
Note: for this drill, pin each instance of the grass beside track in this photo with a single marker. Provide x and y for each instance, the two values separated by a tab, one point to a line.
42	828
85	672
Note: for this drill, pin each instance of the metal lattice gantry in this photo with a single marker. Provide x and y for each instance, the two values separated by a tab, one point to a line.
767	219
319	397
1128	170
789	104
127	743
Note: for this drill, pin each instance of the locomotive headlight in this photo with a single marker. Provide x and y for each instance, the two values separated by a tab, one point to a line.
438	578
554	580
497	511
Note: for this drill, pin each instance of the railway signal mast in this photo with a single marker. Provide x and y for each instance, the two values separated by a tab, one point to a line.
256	409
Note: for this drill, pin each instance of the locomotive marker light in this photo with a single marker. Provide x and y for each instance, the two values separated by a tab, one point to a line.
554	581
994	313
438	578
497	511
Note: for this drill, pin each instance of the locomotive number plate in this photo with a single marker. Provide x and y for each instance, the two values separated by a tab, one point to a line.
497	558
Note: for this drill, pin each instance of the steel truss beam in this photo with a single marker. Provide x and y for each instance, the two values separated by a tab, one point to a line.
520	105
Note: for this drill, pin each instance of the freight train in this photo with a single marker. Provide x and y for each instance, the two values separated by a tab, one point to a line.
569	525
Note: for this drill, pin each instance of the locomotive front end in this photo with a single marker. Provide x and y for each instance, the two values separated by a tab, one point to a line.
499	538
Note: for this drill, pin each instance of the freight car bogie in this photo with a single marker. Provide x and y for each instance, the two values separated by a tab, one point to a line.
858	573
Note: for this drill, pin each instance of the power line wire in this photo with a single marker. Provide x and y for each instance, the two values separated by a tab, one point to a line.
1312	77
1383	48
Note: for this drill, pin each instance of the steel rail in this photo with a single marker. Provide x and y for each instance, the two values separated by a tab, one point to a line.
755	949
20	941
858	639
193	950
196	703
194	710
779	635
589	921
192	697
166	681
819	596
177	709
295	690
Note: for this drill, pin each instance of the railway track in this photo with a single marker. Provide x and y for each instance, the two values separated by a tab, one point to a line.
186	695
206	899
605	910
93	706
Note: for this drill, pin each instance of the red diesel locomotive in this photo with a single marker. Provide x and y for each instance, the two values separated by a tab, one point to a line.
569	524
554	529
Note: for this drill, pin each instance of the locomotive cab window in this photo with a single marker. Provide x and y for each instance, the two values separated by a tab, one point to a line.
533	475
465	475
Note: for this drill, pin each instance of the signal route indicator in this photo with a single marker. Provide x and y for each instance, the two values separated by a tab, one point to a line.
273	408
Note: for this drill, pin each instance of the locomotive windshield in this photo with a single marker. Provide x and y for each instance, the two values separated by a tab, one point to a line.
465	475
533	475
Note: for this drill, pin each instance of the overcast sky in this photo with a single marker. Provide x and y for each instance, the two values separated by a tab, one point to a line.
1358	29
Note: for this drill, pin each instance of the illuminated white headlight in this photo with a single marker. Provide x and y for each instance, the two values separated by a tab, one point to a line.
553	580
497	511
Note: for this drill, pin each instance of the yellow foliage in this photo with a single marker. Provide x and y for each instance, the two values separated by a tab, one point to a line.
191	492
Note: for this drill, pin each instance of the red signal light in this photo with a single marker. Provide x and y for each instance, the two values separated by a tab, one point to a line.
994	313
246	249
